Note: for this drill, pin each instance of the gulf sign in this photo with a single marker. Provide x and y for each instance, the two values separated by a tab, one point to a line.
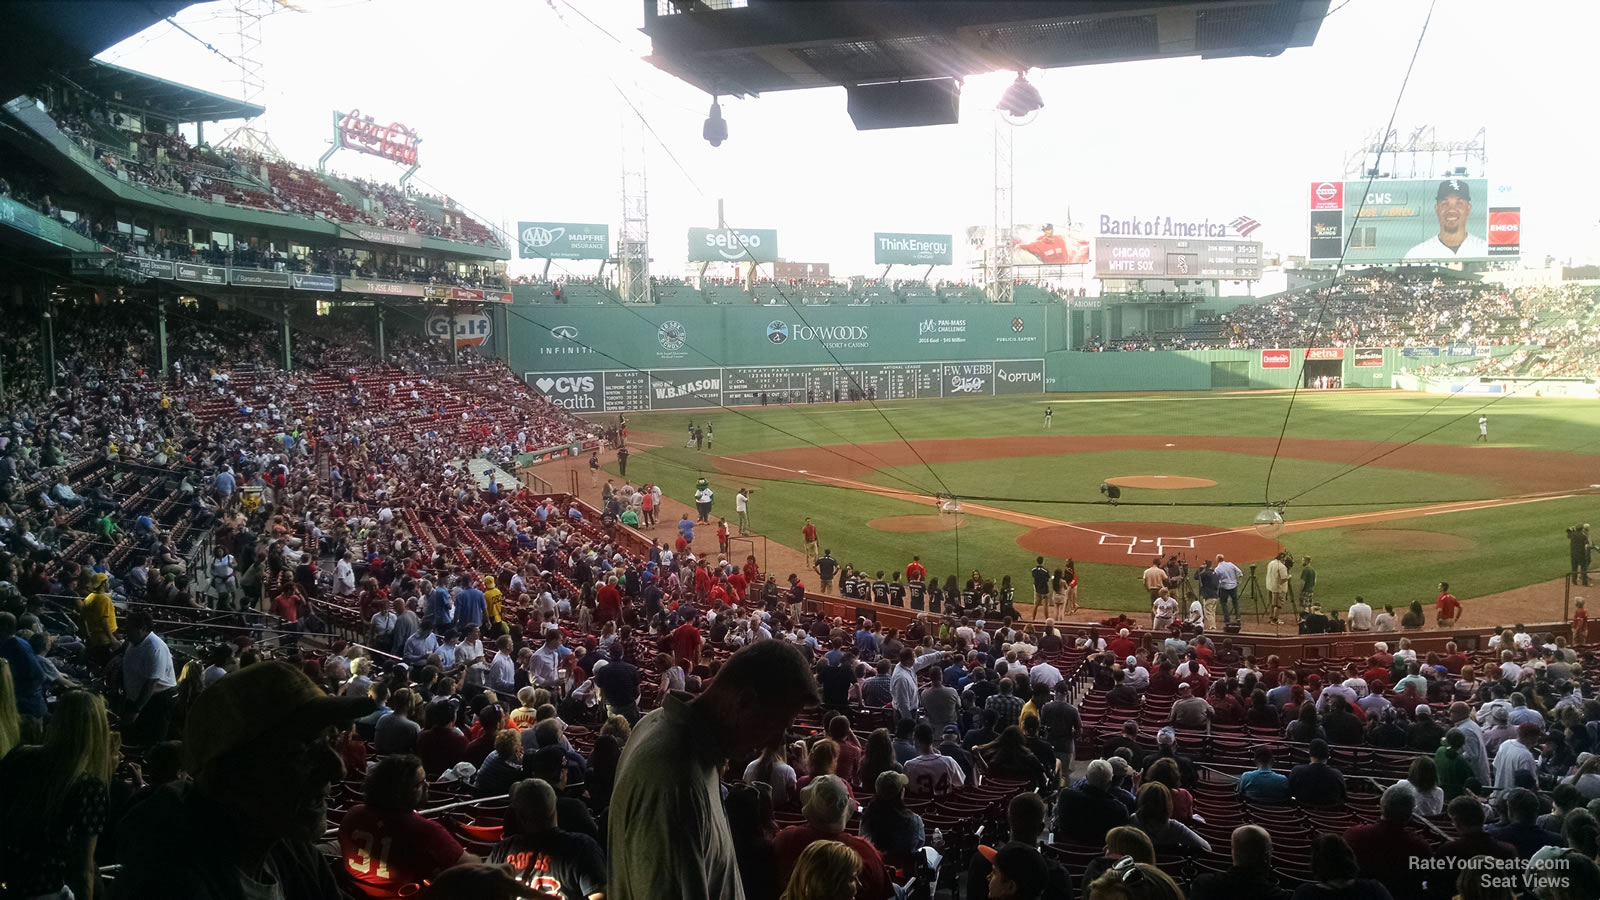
471	329
1275	359
1327	195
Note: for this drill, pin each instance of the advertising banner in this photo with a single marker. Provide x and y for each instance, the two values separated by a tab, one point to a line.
574	338
1505	231
563	240
576	391
258	278
1327	195
387	236
465	295
1327	233
893	248
1275	359
393	141
313	282
685	388
733	245
974	379
471	329
387	288
1023	376
1324	353
1415	220
1034	245
1119	257
202	274
1368	357
152	268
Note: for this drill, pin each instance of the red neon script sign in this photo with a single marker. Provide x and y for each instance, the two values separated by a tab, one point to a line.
393	141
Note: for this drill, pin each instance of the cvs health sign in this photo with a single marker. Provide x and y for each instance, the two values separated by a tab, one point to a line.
577	391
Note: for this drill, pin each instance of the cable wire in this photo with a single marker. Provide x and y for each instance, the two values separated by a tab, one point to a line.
1338	270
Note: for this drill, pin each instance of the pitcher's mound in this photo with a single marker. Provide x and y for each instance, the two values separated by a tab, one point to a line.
1407	539
1160	482
913	524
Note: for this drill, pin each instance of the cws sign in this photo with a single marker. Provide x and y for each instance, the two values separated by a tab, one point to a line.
471	329
563	240
733	245
576	391
889	248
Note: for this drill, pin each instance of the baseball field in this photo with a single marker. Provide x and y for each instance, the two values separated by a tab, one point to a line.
1388	492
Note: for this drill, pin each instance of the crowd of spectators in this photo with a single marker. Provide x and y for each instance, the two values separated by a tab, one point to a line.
166	160
618	716
1545	330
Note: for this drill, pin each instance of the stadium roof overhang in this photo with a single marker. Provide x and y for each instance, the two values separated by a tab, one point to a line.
159	96
746	47
43	36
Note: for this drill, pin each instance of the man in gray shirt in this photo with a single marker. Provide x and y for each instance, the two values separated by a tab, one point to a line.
939	703
669	836
1228	576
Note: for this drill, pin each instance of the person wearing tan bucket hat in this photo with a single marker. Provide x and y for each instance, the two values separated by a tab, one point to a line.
99	615
259	746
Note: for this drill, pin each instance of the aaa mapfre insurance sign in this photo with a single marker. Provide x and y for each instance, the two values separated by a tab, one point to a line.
1274	359
1505	231
1327	195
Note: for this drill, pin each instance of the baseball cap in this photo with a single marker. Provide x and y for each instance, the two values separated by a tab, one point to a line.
952	729
1457	186
243	706
1021	864
1167	735
1528	729
825	799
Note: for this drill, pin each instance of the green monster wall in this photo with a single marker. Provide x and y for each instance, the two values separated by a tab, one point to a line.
594	358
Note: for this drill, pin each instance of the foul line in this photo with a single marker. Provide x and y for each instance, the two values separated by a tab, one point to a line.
992	512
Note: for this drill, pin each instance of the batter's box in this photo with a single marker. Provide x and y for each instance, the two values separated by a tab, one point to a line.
1146	546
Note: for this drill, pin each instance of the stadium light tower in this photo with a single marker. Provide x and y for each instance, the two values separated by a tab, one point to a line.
1002	286
252	82
633	245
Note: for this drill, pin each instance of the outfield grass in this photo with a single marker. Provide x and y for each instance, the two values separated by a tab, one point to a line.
1497	549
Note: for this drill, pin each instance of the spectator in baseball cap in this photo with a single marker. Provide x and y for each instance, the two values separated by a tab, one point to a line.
1017	872
259	744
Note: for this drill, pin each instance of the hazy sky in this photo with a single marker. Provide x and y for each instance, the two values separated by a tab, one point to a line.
519	109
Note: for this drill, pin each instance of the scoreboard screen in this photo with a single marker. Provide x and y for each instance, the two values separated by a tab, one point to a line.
1190	258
